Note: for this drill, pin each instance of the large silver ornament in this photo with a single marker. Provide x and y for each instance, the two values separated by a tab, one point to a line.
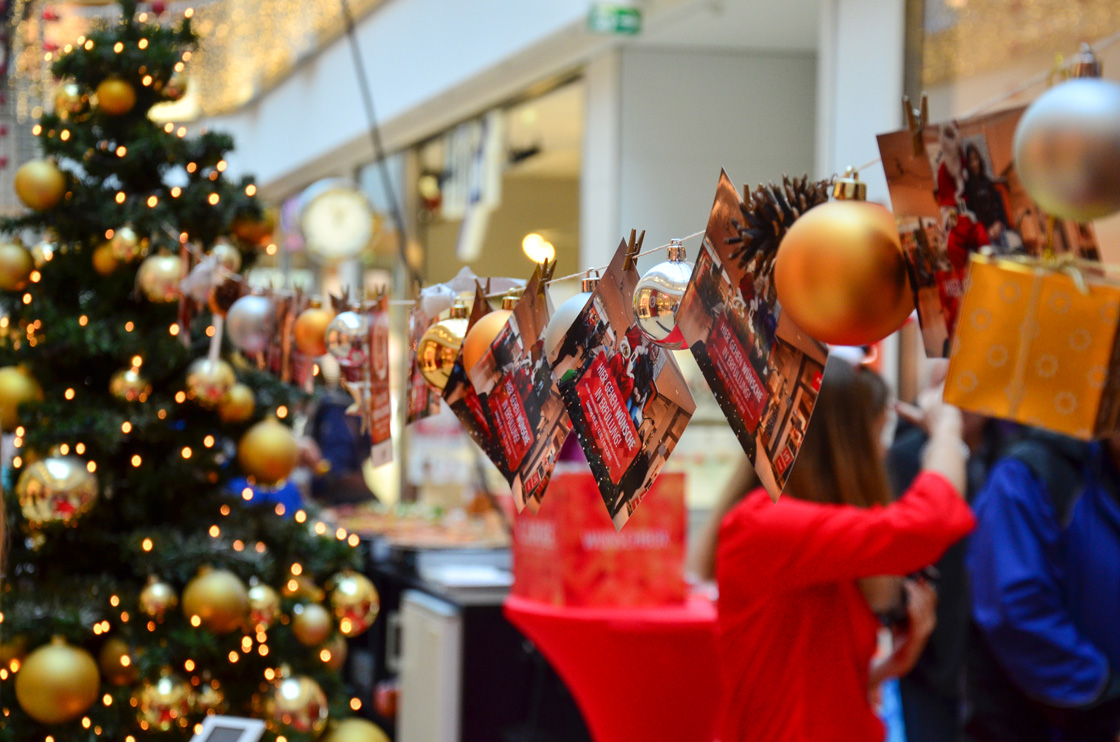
251	323
659	293
348	338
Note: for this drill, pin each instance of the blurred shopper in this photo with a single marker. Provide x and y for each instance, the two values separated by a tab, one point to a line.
1044	663
797	633
341	448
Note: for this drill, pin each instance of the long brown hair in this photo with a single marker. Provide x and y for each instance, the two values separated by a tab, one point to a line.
840	461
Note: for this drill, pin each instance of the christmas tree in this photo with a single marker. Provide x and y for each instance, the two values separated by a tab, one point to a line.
140	593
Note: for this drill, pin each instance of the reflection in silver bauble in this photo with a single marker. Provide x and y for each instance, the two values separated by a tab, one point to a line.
657	296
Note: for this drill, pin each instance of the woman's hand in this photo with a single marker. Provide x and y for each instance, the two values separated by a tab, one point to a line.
921	610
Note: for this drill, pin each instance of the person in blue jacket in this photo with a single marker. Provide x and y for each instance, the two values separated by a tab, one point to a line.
1044	663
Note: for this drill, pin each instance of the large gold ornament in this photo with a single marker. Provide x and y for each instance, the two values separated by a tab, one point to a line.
128	385
356	730
311	330
237	405
208	381
295	703
57	490
439	346
840	274
355	602
115	97
103	259
16	265
218	598
57	683
127	245
115	660
229	257
16	387
311	623
268	452
478	340
40	184
158	278
70	101
157	599
264	607
165	703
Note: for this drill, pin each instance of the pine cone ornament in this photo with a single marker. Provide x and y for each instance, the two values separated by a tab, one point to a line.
768	213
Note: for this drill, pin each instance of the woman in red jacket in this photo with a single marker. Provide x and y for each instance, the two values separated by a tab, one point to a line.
795	577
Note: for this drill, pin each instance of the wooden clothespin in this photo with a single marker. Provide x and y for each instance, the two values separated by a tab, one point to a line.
916	120
633	248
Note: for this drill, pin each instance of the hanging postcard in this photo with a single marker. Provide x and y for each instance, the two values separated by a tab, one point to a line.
627	399
764	370
423	400
955	191
377	372
518	394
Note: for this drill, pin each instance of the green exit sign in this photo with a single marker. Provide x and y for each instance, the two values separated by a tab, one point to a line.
610	18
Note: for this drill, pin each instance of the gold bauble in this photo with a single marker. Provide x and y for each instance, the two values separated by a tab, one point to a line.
128	385
16	388
70	100
356	730
218	598
115	97
295	703
237	405
115	660
57	490
302	587
477	342
355	602
208	382
840	275
57	683
157	599
264	607
311	330
338	649
103	259
158	278
164	702
229	257
16	265
175	88
438	348
40	184
311	623
209	698
43	253
127	245
268	452
254	231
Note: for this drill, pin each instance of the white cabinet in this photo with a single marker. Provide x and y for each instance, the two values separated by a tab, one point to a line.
430	662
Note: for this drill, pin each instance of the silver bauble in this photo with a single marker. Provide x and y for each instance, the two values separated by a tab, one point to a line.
348	338
251	323
565	314
657	296
1067	149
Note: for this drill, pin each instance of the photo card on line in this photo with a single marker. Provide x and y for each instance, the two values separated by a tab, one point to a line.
423	400
377	372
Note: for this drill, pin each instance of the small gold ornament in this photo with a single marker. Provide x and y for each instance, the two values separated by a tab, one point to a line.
115	97
40	184
237	405
209	698
16	387
16	264
175	88
157	599
338	649
103	259
302	587
311	623
295	703
70	101
254	231
208	381
311	330
43	253
268	452
159	276
128	385
164	702
264	607
355	730
57	682
115	660
127	245
57	490
355	602
229	257
439	346
218	598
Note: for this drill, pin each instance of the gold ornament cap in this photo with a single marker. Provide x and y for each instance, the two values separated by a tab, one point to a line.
1085	64
459	310
509	301
849	187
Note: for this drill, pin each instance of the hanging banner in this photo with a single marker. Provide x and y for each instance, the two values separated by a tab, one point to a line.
518	393
627	399
377	371
955	192
764	370
423	400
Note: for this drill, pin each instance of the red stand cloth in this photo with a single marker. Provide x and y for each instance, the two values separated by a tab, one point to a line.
637	674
